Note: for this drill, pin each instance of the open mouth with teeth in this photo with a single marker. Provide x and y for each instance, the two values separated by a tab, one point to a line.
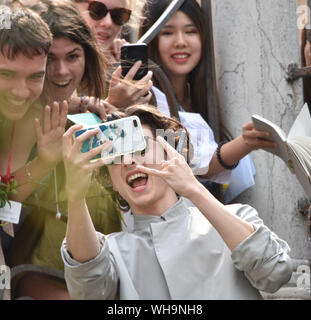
15	103
180	57
63	84
137	181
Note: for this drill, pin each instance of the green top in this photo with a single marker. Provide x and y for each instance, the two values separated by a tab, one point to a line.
40	237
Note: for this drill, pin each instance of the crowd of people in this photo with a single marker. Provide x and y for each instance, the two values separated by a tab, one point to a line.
109	226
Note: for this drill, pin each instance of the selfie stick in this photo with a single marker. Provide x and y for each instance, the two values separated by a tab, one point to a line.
158	25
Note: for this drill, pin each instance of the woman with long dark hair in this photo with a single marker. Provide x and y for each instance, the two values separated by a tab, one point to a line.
179	50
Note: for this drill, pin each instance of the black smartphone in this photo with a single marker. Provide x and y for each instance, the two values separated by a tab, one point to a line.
130	53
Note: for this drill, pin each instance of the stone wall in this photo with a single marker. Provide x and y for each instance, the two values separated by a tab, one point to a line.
255	41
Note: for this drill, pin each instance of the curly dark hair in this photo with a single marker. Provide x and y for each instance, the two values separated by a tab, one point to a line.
28	33
169	128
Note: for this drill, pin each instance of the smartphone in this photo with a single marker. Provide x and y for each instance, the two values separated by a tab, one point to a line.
125	134
130	53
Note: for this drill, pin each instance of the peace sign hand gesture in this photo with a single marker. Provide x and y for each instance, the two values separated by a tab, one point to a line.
174	171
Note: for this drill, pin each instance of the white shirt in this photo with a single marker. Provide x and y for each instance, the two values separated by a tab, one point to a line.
203	140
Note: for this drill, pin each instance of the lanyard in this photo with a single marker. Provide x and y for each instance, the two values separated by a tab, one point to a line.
6	179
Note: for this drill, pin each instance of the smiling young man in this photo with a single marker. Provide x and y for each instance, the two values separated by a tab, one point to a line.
23	55
167	250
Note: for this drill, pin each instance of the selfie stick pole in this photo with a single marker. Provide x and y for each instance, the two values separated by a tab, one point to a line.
158	25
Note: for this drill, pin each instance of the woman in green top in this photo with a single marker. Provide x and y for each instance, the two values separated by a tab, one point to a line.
74	65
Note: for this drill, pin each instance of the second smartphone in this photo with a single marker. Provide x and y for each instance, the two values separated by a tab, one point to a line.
130	53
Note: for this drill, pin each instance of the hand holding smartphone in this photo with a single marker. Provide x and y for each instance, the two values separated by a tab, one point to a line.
125	134
131	53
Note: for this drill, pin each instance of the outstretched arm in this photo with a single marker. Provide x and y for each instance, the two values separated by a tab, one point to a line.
255	249
233	151
231	228
82	240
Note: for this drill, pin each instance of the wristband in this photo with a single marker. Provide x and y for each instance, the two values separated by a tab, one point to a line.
225	166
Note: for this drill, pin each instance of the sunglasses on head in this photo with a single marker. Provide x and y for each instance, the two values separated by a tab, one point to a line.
98	11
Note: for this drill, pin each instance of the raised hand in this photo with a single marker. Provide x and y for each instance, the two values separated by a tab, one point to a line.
97	106
174	171
49	136
90	104
78	166
125	92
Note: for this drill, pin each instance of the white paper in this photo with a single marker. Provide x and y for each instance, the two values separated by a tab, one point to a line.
86	119
242	178
11	214
302	124
202	140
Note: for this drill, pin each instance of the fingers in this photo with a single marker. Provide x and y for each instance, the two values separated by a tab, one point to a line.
146	79
84	104
97	164
250	131
79	140
95	151
55	115
38	129
255	138
130	75
261	143
142	93
63	114
109	108
248	126
116	48
46	119
102	110
171	152
115	77
145	99
73	147
68	137
94	105
150	171
97	106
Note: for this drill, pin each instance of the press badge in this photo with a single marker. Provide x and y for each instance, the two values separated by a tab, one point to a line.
11	212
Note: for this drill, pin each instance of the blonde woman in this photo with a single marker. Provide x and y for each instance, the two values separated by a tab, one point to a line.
106	18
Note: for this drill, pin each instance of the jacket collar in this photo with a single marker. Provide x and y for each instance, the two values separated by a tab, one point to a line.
135	222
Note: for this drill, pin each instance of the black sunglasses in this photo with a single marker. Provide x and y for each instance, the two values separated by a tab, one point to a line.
98	10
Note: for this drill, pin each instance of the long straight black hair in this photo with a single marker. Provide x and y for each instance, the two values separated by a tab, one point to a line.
196	78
